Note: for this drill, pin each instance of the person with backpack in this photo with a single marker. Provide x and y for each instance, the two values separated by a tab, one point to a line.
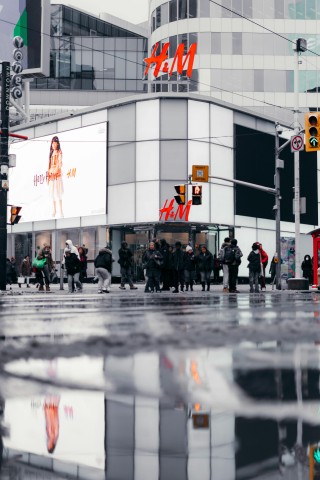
225	266
178	268
234	257
72	266
103	266
254	265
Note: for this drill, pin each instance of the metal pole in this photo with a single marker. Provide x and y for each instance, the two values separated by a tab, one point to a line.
296	165
277	208
4	162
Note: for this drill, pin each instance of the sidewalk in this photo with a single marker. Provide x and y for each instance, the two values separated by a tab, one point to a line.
92	289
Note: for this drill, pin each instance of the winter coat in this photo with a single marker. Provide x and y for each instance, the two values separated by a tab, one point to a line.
238	254
125	257
152	259
254	260
221	251
26	268
205	261
264	257
178	259
190	262
72	264
72	248
104	259
167	256
307	267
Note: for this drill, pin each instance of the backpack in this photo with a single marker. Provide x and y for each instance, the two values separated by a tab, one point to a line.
229	255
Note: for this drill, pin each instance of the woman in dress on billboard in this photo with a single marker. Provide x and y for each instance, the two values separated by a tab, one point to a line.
55	175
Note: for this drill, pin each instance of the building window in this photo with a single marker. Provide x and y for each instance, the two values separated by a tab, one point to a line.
173	14
192	8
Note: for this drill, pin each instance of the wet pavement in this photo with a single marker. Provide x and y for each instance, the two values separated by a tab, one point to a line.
128	385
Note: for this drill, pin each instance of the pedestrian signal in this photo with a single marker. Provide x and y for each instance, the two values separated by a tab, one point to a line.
312	131
181	197
15	217
196	195
314	461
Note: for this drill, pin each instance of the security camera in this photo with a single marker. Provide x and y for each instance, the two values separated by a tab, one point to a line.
279	128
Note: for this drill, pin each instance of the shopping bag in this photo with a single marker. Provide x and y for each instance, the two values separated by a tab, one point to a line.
21	279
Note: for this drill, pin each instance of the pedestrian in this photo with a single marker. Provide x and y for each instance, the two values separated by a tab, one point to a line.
49	265
125	261
103	266
225	267
264	262
234	266
8	272
216	269
14	270
178	268
254	265
83	263
166	269
26	270
205	265
189	268
273	267
152	261
307	268
72	266
38	264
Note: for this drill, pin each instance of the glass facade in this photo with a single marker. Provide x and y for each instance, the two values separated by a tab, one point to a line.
90	54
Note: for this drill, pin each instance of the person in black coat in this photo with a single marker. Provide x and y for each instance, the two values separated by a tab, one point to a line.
307	268
152	260
255	268
166	269
72	266
178	268
205	266
126	262
189	268
103	266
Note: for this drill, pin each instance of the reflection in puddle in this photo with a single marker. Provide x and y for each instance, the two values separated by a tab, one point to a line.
216	414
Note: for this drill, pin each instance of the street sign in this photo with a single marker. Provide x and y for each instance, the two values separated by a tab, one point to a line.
297	143
200	173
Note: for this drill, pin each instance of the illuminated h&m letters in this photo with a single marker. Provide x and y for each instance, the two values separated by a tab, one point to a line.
180	61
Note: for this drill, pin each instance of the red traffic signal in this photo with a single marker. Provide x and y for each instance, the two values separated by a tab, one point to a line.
15	217
196	195
181	197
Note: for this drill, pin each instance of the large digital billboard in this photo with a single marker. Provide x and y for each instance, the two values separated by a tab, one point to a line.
29	19
60	175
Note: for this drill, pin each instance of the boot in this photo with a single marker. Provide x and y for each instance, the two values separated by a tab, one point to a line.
191	287
208	286
203	286
41	289
47	288
187	287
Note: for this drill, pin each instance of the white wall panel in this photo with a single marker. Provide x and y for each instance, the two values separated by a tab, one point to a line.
121	203
147	120
221	163
222	205
69	124
221	126
147	161
147	198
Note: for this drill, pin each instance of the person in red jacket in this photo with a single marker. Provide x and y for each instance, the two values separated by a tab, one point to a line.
264	262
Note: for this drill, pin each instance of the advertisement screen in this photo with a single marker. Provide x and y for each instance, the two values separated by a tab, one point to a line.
60	175
29	19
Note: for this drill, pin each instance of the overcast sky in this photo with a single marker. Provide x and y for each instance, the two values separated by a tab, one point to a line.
134	11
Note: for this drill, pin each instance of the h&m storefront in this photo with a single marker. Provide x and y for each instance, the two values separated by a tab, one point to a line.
120	163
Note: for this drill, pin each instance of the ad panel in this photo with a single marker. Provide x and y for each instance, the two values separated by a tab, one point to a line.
60	175
29	19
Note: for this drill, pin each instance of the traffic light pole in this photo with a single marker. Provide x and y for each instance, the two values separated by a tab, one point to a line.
4	164
296	163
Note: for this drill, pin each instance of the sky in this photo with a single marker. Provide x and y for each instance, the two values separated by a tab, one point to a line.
134	11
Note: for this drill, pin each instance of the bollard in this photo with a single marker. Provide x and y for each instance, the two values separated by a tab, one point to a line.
298	284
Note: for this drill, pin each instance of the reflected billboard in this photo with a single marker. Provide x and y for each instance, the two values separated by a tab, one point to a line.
29	19
60	175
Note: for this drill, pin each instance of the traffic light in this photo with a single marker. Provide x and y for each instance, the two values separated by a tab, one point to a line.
15	217
196	195
312	131
181	197
314	461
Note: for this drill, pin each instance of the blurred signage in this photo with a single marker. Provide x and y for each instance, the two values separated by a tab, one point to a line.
181	62
171	212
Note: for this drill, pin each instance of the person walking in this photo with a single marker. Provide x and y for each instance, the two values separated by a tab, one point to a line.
152	260
307	268
273	268
38	263
254	259
216	269
14	270
125	261
178	268
83	263
205	265
72	265
103	266
26	270
49	265
234	266
189	268
264	262
166	266
225	266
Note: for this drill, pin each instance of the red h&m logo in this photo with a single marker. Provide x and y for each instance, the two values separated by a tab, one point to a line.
170	213
161	63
